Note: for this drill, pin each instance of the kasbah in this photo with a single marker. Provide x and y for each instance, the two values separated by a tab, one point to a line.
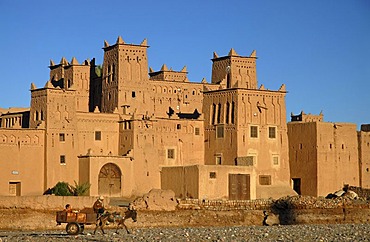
125	129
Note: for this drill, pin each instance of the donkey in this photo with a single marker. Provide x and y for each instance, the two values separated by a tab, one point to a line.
120	220
115	217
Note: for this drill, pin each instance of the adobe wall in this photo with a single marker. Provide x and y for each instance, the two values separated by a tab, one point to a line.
291	210
21	151
47	202
302	145
364	158
36	212
337	156
293	202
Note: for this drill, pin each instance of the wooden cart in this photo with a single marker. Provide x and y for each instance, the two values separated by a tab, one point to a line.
76	220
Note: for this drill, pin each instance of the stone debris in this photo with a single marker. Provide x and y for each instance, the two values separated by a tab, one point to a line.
332	232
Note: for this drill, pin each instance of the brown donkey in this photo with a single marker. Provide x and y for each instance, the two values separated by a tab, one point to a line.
115	217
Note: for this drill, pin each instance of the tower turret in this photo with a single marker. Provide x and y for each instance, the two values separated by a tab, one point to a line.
125	73
234	70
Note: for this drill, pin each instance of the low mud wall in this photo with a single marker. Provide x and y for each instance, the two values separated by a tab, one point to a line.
48	202
293	210
38	212
293	202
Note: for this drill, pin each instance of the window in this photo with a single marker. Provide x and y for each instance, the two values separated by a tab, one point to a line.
171	153
212	175
62	159
265	180
245	161
218	160
275	160
219	131
272	132
232	112
254	131
213	113
133	94
227	112
62	137
197	131
178	126
97	135
14	188
219	113
127	125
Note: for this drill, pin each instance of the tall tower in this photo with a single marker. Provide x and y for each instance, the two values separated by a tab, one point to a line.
245	126
125	76
77	77
53	109
73	76
234	70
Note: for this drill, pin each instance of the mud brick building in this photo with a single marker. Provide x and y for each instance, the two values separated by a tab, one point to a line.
125	129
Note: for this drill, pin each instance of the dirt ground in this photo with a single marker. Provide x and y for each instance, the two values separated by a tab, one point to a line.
26	219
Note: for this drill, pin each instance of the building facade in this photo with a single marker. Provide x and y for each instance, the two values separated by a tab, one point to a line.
125	129
323	156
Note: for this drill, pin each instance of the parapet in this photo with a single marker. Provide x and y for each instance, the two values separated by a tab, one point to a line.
303	117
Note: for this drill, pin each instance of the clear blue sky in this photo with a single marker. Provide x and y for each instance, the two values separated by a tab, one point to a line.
319	49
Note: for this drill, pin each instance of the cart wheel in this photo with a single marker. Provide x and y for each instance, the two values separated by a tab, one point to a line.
73	228
82	228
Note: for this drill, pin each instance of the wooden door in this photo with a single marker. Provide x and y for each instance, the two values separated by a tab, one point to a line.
239	187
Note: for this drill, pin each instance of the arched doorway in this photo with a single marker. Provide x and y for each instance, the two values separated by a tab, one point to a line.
109	183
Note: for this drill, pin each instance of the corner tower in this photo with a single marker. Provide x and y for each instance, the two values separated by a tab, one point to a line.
125	75
245	126
234	70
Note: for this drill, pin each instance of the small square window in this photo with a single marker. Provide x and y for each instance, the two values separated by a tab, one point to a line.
97	135
178	126
133	94
62	137
212	175
275	160
254	132
171	153
272	132
62	159
265	180
197	131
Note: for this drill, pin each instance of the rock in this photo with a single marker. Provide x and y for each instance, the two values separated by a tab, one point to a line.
157	199
270	219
